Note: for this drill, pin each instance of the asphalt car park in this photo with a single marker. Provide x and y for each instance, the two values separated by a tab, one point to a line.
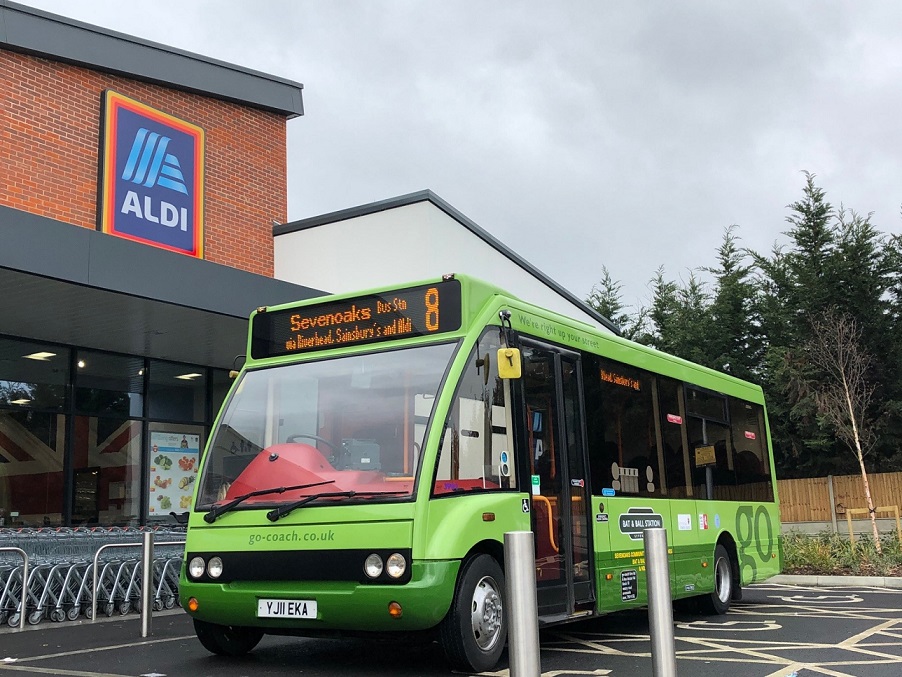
775	631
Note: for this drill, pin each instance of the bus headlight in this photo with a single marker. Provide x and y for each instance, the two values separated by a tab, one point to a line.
196	567
214	567
373	566
396	565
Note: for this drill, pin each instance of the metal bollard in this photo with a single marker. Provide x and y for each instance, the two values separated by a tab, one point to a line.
522	613
146	583
660	609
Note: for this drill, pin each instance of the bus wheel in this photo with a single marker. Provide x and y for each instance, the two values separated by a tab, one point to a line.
718	602
474	631
226	640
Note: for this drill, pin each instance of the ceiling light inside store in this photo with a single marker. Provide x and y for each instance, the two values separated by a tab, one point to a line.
39	356
22	401
81	364
188	377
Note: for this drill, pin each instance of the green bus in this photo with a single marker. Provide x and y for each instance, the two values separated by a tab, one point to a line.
376	447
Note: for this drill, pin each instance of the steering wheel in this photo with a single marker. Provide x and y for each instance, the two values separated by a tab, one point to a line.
331	445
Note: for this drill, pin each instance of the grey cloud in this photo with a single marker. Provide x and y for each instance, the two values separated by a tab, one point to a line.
581	134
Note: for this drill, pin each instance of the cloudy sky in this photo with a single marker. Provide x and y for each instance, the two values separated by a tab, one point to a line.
581	134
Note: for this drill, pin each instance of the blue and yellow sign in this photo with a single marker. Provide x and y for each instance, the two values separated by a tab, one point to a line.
152	179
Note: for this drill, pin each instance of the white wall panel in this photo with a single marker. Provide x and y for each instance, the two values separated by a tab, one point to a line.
406	244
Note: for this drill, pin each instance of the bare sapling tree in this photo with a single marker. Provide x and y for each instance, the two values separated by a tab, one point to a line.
843	394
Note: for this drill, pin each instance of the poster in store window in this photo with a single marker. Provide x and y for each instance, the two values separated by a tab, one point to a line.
173	470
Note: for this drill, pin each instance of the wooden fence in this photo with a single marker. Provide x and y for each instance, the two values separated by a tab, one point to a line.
810	500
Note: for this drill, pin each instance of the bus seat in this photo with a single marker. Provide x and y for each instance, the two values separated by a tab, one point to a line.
545	528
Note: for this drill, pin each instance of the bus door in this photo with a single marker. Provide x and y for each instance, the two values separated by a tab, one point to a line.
560	493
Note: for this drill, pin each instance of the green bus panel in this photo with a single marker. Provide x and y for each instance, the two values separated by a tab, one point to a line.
694	527
455	523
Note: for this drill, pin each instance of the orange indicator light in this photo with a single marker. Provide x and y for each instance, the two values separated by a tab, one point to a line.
394	610
192	604
608	577
488	517
704	565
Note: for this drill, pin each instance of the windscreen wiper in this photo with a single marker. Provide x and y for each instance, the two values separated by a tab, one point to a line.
216	511
277	513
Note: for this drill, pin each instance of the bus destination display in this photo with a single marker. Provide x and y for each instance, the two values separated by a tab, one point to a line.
401	313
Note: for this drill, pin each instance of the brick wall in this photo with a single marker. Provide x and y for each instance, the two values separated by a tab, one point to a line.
49	154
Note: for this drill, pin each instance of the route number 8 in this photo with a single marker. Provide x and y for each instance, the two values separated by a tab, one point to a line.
431	299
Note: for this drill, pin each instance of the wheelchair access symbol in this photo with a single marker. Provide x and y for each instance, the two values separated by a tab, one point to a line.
820	599
525	507
730	626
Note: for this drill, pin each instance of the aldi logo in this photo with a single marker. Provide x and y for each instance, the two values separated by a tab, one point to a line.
152	176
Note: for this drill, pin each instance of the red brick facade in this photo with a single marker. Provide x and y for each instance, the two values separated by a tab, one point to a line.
49	154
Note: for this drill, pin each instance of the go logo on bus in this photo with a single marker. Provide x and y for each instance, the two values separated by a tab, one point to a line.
754	528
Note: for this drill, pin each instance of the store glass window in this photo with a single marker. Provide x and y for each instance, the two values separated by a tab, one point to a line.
33	375
176	392
32	446
107	471
109	385
33	379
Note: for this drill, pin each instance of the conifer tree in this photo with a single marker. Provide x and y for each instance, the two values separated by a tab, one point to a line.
735	341
755	322
606	298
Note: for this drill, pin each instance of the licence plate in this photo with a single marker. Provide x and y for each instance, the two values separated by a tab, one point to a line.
286	608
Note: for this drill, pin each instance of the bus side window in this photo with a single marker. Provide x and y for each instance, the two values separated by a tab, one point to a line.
751	461
601	454
623	433
475	452
675	450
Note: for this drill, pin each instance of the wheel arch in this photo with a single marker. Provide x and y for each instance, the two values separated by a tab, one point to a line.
729	543
489	547
460	635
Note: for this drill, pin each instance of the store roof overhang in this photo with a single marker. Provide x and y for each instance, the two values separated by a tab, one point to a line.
69	285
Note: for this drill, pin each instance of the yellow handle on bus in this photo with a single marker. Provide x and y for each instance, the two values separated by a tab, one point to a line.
509	363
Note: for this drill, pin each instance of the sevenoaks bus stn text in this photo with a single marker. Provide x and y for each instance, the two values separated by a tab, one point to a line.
357	328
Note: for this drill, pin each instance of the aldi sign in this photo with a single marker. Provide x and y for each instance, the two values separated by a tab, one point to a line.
152	177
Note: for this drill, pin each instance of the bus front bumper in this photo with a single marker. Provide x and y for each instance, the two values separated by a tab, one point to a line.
340	605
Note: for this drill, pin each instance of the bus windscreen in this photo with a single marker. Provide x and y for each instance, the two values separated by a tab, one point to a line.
400	313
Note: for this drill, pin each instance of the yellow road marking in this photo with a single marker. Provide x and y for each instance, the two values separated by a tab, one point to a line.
867	633
146	642
57	671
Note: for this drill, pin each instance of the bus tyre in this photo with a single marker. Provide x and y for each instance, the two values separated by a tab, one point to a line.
474	632
226	640
718	602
